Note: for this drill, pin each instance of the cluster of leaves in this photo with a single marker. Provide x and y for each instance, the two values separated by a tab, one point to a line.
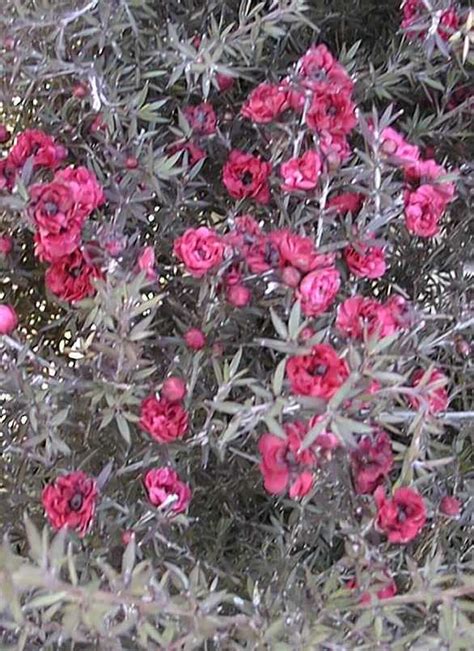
242	571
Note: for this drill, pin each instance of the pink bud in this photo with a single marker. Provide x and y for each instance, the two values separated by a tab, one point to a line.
450	506
146	262
291	276
127	536
9	43
195	339
4	134
131	163
6	244
174	389
80	90
224	82
115	246
307	333
98	124
8	319
238	295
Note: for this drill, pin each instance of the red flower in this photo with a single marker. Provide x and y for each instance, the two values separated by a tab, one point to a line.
195	339
450	506
164	488
371	462
7	174
8	319
319	374
70	501
434	397
346	202
428	172
86	190
202	118
401	518
165	421
357	314
298	251
245	234
265	103
69	278
201	250
365	261
384	587
41	147
263	255
416	20
245	176
424	209
238	295
284	464
334	149
301	173
318	290
318	66
5	135
194	153
331	110
224	82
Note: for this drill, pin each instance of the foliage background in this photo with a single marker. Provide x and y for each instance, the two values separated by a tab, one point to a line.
243	571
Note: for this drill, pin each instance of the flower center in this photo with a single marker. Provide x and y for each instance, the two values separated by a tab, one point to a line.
320	369
247	178
51	208
76	501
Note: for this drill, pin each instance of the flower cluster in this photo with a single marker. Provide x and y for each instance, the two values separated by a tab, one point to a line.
57	210
418	21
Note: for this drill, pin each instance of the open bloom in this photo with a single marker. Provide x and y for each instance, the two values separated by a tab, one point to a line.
246	176
70	278
301	173
37	145
371	462
331	110
285	464
201	249
265	103
424	209
319	374
202	118
395	145
164	487
365	261
402	517
435	398
318	290
70	501
359	313
164	420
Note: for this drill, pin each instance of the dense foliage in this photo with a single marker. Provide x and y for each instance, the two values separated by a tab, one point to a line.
236	293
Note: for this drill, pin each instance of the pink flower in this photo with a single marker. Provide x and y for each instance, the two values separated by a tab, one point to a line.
359	314
265	103
428	172
246	176
285	464
165	421
146	262
195	339
395	145
86	189
318	290
201	250
384	587
238	295
174	389
299	251
402	517
164	487
436	397
8	319
245	234
37	145
371	462
319	374
424	209
224	82
202	118
318	66
365	261
334	148
5	135
301	173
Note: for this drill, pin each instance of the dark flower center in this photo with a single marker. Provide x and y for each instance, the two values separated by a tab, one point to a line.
270	256
320	369
402	514
247	178
76	502
51	208
332	110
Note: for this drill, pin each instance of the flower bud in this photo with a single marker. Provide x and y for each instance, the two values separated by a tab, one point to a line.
80	90
291	276
238	295
131	163
8	319
450	506
174	389
195	339
4	134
